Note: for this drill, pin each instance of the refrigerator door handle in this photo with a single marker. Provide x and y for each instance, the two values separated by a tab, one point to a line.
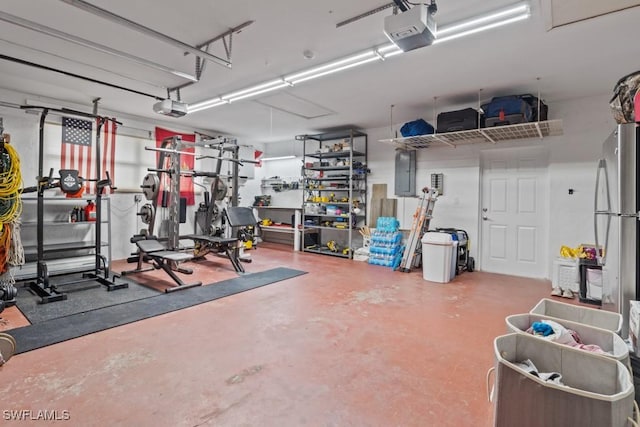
602	168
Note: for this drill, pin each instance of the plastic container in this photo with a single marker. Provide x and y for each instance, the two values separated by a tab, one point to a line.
90	211
596	390
607	340
589	316
437	250
565	274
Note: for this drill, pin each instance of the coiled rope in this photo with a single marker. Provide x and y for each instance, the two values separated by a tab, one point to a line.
11	250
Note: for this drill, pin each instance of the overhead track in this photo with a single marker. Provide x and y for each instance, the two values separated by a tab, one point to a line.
103	13
43	29
78	76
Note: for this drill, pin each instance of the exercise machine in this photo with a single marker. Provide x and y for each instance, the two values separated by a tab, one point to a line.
167	254
42	286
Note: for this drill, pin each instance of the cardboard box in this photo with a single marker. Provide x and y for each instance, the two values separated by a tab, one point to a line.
634	325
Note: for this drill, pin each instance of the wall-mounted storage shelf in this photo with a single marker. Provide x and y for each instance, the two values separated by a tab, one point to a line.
492	135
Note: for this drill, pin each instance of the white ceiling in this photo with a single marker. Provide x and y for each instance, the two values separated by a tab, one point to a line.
576	60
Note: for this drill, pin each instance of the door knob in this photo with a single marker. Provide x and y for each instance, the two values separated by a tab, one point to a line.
485	218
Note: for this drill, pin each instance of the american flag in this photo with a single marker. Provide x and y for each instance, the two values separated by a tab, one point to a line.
76	149
76	146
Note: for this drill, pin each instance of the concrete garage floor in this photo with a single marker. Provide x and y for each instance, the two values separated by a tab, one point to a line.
348	344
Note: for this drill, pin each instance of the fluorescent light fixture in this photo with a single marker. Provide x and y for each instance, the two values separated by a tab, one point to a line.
502	14
387	48
514	13
335	70
278	158
258	92
253	89
393	53
331	65
209	103
483	28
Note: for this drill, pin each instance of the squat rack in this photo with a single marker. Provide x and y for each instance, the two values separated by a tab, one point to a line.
42	286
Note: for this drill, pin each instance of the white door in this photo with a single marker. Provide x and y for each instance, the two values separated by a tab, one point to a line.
514	212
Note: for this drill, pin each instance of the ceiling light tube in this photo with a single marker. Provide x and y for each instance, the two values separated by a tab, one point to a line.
253	89
335	70
43	29
482	28
387	48
266	159
331	65
503	14
393	53
205	105
259	92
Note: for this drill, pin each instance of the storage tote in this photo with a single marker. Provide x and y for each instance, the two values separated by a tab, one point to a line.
595	391
607	340
589	316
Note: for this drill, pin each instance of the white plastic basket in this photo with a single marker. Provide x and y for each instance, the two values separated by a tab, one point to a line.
597	391
579	314
607	340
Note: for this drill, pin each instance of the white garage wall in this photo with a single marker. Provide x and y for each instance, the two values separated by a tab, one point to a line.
587	122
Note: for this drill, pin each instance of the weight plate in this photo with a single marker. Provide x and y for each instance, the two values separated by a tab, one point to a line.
7	347
147	213
11	338
150	186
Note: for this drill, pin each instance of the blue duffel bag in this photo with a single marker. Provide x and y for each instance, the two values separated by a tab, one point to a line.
416	127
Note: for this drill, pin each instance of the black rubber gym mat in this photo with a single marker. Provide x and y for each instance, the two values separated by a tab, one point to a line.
80	298
76	325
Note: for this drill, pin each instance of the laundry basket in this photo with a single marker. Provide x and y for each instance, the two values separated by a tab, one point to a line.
597	390
608	341
589	316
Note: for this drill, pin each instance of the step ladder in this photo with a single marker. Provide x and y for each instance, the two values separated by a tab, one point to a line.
412	256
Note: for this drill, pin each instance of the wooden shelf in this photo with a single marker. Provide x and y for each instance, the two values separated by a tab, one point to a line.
492	135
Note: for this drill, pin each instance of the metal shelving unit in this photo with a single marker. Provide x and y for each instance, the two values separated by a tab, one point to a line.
492	135
71	244
334	162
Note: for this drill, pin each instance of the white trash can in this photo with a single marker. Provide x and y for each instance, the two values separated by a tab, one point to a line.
437	249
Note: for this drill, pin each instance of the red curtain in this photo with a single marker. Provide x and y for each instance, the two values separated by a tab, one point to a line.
186	163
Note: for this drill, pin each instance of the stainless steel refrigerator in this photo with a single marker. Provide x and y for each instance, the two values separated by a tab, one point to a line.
616	219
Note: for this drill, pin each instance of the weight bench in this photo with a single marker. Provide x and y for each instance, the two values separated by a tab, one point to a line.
161	258
236	217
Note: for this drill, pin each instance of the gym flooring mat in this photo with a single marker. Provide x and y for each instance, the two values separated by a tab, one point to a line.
80	298
76	325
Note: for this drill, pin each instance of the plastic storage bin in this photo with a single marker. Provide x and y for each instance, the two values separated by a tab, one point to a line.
597	391
437	250
566	274
607	340
575	313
